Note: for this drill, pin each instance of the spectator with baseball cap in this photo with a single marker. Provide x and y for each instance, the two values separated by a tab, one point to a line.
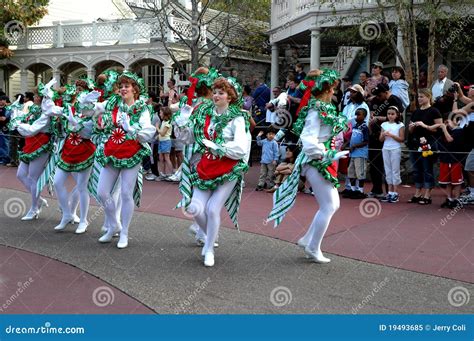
376	79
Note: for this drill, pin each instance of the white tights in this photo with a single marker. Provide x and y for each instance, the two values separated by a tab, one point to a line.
29	173
328	199
67	207
208	206
108	176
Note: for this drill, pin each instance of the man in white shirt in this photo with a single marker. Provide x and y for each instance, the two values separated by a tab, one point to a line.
28	102
442	84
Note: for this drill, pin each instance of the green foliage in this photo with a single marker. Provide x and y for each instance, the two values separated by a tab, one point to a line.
26	11
252	9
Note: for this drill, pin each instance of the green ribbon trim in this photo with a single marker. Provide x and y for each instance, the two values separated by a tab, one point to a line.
76	167
121	163
27	158
236	174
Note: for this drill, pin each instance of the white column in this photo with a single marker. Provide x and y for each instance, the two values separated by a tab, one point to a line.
400	45
167	75
315	48
23	80
57	76
275	67
91	73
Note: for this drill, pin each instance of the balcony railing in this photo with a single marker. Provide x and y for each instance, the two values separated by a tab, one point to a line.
284	11
105	33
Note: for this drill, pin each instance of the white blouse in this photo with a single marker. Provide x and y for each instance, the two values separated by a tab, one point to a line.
41	125
237	140
314	134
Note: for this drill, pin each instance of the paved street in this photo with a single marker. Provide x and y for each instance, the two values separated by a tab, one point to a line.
258	270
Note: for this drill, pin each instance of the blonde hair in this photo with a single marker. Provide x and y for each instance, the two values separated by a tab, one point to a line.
427	93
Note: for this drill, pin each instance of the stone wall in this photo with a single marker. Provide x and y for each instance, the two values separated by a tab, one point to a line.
246	71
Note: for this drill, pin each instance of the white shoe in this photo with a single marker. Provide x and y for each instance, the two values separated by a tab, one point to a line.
30	215
123	242
209	258
173	178
82	228
103	229
64	222
107	237
316	257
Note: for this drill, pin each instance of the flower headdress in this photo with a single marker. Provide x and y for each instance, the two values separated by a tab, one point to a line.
198	80
140	82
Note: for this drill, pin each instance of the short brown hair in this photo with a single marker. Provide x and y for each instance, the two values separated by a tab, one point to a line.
82	83
223	84
166	113
126	80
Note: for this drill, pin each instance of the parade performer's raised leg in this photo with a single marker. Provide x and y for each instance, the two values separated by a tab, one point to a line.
328	199
60	178
108	177
82	179
28	174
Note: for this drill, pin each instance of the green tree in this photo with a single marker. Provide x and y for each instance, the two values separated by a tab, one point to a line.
436	27
225	26
15	16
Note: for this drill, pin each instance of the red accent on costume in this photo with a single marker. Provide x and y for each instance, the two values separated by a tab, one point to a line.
211	166
33	143
306	96
102	92
77	153
191	90
124	150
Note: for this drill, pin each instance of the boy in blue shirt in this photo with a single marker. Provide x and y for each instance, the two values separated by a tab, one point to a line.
270	155
359	153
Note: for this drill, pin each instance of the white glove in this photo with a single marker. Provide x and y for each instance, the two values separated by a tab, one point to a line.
125	121
53	111
47	92
183	118
340	155
214	148
88	97
21	128
72	120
